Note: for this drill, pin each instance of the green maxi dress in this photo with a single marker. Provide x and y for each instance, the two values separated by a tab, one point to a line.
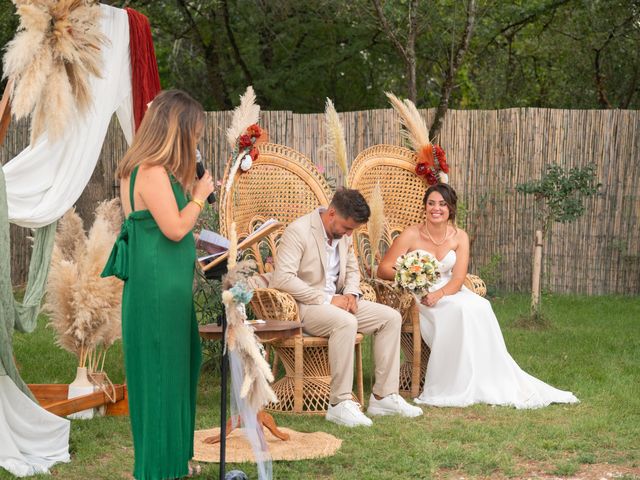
160	340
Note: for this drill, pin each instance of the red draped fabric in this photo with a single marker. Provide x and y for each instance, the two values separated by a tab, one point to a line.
145	79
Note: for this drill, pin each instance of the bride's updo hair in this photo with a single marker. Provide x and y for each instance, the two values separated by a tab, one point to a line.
449	196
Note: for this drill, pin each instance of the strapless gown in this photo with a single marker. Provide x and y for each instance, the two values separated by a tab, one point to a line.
469	361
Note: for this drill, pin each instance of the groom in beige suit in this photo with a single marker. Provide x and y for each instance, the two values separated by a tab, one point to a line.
316	265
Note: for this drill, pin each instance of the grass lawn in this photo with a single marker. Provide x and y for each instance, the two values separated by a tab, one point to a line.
592	348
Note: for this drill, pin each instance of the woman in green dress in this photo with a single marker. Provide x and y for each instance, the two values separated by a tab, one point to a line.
155	256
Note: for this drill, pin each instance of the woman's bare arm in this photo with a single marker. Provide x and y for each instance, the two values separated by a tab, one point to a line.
153	192
401	245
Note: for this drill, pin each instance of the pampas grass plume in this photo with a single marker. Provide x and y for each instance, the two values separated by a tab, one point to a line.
244	115
59	300
21	51
376	223
70	237
58	96
416	131
85	308
32	84
336	143
57	47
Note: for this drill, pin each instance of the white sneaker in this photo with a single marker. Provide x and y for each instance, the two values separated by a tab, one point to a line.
347	413
392	404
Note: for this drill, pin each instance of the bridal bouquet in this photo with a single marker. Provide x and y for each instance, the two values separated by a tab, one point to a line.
416	271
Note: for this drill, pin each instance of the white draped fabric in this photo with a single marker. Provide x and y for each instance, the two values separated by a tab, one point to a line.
31	439
469	361
47	178
43	182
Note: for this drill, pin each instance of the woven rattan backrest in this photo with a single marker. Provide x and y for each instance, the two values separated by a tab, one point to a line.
282	184
402	191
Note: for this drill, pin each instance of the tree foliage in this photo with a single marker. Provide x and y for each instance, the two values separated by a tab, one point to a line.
560	194
539	53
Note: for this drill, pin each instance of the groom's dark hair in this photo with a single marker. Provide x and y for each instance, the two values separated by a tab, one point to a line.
350	203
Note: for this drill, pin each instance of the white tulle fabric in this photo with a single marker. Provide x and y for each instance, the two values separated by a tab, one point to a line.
31	439
469	361
47	178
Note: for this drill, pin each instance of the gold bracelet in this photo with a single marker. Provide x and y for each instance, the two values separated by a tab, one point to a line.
198	202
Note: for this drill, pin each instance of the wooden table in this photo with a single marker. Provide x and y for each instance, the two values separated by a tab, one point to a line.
271	330
268	331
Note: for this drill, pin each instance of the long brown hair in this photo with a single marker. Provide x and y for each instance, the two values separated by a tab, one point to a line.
167	136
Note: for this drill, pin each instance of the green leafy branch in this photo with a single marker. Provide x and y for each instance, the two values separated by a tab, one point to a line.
560	194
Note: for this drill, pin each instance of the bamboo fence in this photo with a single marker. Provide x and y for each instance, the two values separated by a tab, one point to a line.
489	153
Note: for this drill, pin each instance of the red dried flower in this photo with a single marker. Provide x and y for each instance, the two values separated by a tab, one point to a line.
441	157
245	141
254	131
425	155
254	154
421	168
431	177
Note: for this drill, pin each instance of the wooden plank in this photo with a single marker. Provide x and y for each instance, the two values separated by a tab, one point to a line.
49	393
67	407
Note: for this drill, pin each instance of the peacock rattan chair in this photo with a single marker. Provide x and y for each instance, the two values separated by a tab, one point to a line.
402	190
283	184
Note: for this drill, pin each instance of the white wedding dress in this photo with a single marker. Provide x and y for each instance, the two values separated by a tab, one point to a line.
469	361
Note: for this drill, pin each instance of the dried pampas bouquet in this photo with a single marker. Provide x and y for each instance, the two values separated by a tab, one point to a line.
250	372
84	309
244	135
432	160
244	348
50	60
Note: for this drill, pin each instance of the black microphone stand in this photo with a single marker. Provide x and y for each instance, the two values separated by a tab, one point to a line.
224	368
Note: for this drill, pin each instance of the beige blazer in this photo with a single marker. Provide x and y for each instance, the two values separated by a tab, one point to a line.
301	262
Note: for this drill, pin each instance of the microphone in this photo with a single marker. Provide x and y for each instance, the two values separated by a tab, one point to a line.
200	173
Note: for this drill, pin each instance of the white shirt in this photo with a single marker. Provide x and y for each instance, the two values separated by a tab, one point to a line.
333	266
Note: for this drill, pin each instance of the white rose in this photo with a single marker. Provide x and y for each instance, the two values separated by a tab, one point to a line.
444	178
246	163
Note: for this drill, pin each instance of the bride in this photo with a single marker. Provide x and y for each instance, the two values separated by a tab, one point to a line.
469	361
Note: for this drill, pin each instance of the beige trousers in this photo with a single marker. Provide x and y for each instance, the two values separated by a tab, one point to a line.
341	327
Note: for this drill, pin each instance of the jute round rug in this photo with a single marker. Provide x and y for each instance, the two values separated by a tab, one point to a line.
299	447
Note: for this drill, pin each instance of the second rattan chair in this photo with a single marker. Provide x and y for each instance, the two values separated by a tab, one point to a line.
393	168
